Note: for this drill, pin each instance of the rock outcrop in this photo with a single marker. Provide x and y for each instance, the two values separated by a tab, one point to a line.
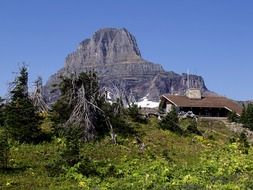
114	55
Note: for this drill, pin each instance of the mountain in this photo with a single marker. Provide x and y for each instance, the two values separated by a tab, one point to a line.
246	103
114	55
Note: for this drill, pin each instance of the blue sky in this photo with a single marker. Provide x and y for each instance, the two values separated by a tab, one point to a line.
211	38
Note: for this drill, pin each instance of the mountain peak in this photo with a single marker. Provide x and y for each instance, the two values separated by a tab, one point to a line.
114	55
119	41
115	34
106	46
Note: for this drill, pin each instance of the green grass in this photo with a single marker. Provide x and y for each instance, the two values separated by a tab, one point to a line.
165	161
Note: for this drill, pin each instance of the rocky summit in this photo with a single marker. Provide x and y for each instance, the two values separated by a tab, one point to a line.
114	55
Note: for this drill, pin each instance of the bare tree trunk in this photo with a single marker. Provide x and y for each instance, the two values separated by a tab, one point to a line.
37	97
83	114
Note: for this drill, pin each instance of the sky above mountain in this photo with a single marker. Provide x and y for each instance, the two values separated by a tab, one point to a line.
211	38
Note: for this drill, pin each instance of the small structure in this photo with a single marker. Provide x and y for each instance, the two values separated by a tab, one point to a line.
209	106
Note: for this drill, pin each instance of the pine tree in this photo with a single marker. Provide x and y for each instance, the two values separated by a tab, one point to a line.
71	154
62	108
21	117
4	150
1	112
247	116
133	112
243	118
233	117
171	122
244	144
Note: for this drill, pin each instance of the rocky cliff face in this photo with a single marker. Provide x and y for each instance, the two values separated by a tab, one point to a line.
107	46
115	56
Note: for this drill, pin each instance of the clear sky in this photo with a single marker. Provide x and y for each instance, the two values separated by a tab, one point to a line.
211	38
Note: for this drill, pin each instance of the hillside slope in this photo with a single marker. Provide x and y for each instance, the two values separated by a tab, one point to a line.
149	158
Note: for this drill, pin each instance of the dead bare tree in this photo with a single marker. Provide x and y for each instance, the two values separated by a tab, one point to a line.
86	110
120	93
37	97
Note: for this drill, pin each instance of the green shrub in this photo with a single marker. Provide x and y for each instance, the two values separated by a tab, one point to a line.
192	128
70	155
87	167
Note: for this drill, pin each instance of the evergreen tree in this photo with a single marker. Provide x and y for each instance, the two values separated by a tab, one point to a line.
4	150
135	114
171	122
244	144
233	117
247	117
62	108
118	118
21	117
1	112
250	116
71	153
243	118
133	111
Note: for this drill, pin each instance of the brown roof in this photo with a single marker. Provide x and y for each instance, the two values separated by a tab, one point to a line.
205	102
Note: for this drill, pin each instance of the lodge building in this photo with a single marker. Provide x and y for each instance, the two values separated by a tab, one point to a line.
209	106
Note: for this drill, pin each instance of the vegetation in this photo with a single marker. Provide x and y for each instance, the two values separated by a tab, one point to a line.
98	145
80	105
4	150
134	112
247	116
233	117
168	161
244	144
21	117
170	122
1	112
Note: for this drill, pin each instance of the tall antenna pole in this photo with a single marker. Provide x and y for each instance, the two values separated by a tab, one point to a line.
171	90
188	79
